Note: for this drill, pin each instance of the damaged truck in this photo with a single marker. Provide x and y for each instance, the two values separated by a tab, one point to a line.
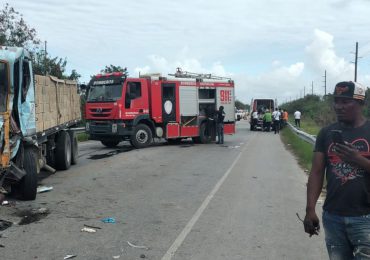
37	116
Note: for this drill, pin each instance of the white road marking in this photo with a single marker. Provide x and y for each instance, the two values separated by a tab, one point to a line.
180	239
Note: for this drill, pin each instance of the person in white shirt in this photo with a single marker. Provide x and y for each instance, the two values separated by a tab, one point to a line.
276	117
297	118
254	120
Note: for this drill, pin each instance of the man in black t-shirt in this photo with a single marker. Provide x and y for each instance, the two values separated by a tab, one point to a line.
220	116
342	152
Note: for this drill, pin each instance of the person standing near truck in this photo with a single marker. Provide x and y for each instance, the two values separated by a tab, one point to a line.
342	154
297	118
276	117
220	116
254	119
285	117
267	119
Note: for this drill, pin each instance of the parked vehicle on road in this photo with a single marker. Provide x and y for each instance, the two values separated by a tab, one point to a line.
138	109
239	114
37	114
261	105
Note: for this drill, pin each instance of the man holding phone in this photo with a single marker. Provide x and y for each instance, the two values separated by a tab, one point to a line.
342	152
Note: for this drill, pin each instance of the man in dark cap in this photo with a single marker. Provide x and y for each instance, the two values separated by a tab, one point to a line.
342	152
220	116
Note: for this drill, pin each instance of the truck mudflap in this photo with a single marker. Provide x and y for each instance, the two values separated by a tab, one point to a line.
229	129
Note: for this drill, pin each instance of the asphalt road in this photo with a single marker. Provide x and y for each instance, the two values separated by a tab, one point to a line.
236	201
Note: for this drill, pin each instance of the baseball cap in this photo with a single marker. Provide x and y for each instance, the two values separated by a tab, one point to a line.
350	89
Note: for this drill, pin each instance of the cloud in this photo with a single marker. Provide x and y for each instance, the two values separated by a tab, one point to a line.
281	81
321	56
165	65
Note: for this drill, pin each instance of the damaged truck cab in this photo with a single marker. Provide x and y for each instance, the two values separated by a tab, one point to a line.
25	147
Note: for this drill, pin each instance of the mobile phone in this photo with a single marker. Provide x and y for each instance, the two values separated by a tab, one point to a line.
337	137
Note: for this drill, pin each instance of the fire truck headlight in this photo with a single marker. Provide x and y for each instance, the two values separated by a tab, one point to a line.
114	128
87	126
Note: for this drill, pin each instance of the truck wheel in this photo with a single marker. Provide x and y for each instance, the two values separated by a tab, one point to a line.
204	136
142	136
63	151
74	149
27	187
110	143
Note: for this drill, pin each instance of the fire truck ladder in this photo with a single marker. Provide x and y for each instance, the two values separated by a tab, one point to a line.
191	75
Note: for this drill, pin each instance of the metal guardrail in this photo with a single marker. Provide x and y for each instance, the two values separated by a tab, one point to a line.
303	135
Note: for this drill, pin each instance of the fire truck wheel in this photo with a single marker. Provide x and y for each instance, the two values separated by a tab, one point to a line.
27	187
110	143
74	147
204	136
142	136
63	151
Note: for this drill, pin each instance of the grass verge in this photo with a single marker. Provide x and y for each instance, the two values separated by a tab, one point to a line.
301	149
308	125
81	137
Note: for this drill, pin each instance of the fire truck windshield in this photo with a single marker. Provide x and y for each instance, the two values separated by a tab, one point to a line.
4	85
105	93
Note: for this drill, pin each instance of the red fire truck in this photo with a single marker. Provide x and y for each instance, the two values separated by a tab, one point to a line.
120	108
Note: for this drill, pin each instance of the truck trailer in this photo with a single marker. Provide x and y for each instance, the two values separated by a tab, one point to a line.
37	116
121	108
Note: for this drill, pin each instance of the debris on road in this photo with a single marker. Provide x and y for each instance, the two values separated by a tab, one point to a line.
33	215
135	246
116	256
42	189
142	256
88	230
109	220
4	203
5	224
92	226
69	256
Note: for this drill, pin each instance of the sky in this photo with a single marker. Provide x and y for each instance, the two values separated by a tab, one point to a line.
271	49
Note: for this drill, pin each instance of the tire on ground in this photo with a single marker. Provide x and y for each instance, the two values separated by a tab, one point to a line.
74	147
142	136
110	143
63	151
27	186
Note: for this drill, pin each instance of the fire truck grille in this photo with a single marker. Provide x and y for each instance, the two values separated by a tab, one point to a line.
100	112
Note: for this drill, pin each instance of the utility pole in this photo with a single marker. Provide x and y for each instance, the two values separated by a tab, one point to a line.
356	57
312	88
325	83
45	70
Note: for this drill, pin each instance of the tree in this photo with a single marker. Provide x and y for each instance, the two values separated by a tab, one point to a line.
74	75
14	31
111	68
239	105
48	66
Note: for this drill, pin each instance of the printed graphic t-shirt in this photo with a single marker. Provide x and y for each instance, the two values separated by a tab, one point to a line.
348	186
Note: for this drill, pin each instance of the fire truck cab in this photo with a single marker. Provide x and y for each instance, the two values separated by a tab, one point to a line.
121	108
